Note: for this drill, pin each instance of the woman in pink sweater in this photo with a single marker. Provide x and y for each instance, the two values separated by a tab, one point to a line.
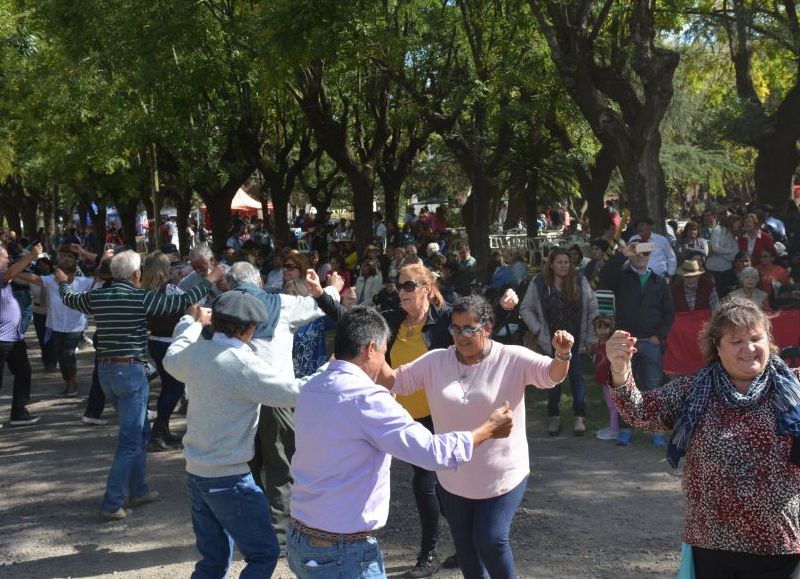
461	382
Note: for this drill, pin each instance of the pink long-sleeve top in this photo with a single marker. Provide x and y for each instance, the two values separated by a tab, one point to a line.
462	397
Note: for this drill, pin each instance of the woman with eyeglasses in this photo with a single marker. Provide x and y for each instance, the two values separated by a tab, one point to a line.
419	325
561	298
460	382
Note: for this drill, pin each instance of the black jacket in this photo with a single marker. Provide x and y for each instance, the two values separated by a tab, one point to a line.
435	332
643	313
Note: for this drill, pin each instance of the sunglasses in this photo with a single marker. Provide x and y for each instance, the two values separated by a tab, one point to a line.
467	331
290	266
410	286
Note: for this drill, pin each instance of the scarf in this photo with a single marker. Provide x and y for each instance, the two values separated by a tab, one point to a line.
776	381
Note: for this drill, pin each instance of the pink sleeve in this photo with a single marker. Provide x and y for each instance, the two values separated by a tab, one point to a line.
537	368
413	376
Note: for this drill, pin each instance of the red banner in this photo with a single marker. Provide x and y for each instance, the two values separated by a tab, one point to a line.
682	355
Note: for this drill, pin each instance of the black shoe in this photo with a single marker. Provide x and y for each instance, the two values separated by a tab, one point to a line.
451	562
158	444
169	438
24	418
184	406
427	565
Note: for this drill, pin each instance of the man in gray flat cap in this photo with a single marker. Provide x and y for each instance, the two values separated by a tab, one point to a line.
227	382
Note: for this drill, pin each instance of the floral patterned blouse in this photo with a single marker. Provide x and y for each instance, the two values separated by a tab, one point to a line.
742	492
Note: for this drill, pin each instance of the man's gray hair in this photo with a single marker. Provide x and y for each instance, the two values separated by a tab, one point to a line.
201	250
243	272
356	329
125	264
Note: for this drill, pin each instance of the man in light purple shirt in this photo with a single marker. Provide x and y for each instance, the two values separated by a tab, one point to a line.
347	430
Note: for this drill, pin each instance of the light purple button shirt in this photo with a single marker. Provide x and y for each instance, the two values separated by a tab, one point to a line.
347	429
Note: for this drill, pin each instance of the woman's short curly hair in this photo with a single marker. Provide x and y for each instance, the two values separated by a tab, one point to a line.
477	306
733	314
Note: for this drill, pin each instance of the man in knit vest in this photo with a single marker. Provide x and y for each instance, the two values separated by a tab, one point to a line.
120	312
227	381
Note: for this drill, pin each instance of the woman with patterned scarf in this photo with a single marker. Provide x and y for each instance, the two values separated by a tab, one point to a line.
737	421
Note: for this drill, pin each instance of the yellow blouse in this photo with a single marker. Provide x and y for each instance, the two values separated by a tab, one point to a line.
408	346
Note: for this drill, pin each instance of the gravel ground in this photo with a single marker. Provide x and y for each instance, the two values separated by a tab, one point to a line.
591	509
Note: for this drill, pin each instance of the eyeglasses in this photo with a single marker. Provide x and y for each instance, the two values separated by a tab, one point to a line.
410	285
290	266
467	331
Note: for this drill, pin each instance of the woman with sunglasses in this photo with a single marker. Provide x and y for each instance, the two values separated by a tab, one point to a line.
419	325
480	499
561	298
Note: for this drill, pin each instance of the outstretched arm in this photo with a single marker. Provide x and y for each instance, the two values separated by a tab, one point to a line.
18	266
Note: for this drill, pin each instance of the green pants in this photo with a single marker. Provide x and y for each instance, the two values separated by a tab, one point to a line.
274	448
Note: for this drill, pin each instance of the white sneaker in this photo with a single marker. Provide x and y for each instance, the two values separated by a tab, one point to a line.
94	421
606	434
152	415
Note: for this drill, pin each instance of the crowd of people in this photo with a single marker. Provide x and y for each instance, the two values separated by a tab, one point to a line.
289	454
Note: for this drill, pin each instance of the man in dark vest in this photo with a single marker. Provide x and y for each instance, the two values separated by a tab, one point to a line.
693	291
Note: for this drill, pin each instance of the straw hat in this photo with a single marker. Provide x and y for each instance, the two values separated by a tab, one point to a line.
690	268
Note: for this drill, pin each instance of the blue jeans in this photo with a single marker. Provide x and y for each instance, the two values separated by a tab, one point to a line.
127	388
342	560
575	375
480	529
230	510
648	367
171	388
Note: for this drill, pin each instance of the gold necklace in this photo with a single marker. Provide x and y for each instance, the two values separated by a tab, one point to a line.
412	328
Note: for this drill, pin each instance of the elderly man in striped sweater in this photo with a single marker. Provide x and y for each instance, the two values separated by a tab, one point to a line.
120	312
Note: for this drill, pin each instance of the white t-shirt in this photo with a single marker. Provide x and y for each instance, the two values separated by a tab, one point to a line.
60	318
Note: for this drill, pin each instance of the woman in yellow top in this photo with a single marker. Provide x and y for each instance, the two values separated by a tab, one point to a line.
419	325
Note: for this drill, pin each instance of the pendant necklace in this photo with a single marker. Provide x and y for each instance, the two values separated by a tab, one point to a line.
462	375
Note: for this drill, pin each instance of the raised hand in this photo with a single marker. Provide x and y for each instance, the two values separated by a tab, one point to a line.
563	342
509	300
620	348
60	276
336	281
313	284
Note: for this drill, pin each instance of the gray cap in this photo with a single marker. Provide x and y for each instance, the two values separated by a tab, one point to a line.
239	307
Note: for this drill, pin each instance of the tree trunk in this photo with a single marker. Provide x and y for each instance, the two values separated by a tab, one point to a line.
363	194
774	173
280	206
183	204
29	209
127	215
12	216
391	200
645	183
475	213
593	190
219	208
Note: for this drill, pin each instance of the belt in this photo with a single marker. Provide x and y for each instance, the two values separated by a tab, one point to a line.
328	539
120	360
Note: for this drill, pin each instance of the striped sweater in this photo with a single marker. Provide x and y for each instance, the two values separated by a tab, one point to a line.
121	310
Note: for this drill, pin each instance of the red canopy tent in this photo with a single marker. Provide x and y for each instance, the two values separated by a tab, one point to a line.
243	203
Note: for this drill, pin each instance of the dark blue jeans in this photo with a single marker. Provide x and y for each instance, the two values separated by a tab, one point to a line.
480	529
575	375
127	388
171	389
62	346
231	510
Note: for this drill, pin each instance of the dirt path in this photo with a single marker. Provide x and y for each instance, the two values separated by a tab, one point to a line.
591	509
